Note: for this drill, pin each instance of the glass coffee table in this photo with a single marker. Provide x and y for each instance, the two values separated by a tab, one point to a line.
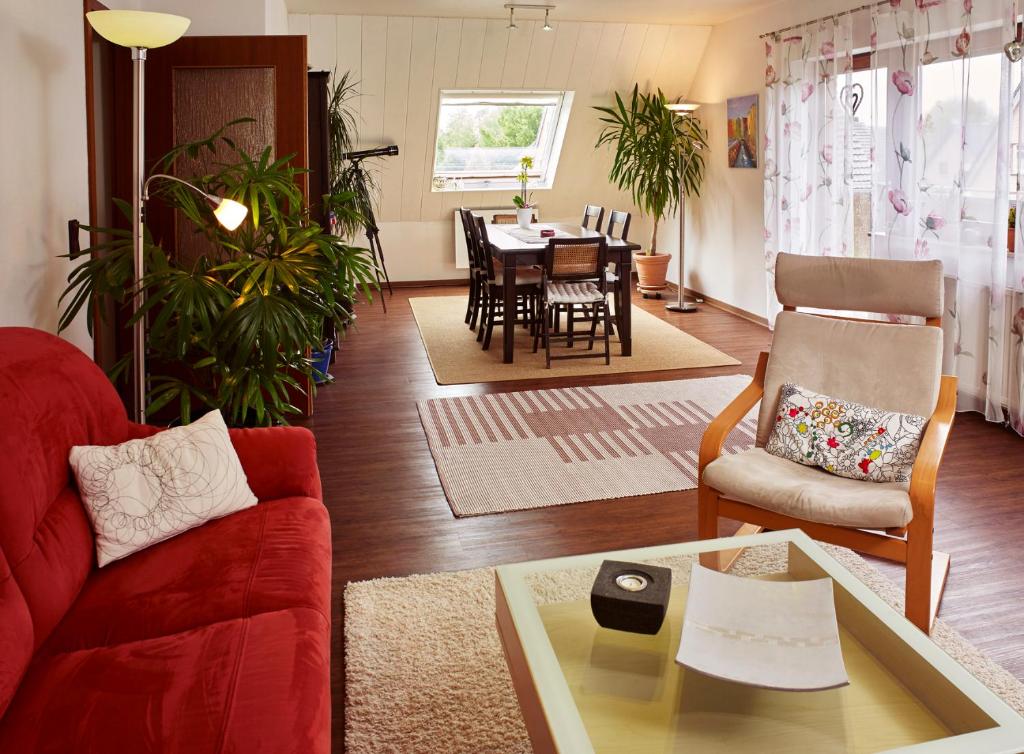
584	688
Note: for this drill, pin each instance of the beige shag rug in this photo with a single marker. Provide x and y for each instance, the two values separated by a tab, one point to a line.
457	358
504	452
424	669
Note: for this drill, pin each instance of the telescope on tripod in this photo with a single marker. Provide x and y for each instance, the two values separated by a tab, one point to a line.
362	184
361	154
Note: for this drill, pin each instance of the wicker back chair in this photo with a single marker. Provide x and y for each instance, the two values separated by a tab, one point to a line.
593	212
575	259
505	218
574	274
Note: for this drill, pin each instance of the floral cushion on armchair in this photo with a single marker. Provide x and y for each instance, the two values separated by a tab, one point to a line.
845	438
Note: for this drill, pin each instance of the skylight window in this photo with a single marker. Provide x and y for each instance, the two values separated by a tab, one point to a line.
481	136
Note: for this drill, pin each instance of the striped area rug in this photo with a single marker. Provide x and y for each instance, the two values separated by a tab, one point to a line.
513	451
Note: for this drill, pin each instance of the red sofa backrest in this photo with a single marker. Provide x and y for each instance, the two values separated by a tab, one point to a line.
52	397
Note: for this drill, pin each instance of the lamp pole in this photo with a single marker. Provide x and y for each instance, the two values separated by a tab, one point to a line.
138	168
140	31
683	110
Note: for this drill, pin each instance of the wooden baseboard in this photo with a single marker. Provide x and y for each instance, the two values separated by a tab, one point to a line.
428	283
718	304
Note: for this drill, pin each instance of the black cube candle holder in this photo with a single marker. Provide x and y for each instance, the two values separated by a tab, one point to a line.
631	596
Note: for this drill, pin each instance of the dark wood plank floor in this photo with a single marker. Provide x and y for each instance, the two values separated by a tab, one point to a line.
390	517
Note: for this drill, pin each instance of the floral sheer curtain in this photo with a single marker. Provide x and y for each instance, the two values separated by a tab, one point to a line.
942	171
938	108
807	202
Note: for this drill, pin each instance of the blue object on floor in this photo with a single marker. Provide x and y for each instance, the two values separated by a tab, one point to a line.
322	362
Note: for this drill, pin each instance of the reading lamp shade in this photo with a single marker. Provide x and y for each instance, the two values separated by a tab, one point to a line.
136	28
230	213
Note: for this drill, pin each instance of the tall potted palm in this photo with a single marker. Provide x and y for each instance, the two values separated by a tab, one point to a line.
655	157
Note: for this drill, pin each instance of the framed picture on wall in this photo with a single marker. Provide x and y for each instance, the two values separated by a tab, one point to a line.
742	114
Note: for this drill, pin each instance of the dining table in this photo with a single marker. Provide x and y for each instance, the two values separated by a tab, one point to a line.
516	250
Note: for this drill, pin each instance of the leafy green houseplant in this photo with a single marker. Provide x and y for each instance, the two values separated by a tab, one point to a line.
655	153
351	190
232	329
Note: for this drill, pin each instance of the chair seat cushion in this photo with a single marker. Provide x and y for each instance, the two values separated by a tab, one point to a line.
808	493
259	684
574	293
275	555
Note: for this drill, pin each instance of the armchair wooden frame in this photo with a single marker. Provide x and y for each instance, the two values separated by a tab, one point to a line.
911	545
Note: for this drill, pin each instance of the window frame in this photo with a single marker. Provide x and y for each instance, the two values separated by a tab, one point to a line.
541	180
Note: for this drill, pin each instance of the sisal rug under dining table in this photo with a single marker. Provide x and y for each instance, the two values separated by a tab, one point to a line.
457	358
503	452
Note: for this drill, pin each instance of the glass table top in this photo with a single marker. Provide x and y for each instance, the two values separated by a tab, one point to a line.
596	689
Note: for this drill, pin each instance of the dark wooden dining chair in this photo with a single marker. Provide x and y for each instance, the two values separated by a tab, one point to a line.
618	228
620	219
574	275
593	212
527	289
476	271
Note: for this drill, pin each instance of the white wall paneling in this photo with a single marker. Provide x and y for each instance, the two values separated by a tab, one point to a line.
402	64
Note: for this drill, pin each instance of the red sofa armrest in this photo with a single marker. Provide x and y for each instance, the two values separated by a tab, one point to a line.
278	461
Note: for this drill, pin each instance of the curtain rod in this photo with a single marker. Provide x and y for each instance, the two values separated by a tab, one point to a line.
834	17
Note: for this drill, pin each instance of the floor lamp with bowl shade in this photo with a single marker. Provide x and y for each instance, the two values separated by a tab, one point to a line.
683	110
142	31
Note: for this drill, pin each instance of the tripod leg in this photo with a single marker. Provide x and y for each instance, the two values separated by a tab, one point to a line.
380	257
371	239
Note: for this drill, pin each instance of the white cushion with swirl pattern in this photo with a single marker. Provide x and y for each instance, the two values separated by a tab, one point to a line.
144	491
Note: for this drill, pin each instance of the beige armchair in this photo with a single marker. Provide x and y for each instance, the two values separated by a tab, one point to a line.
891	366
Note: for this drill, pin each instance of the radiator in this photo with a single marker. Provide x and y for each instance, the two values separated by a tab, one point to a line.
461	252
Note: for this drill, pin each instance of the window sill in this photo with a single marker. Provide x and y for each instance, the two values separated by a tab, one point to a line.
485	185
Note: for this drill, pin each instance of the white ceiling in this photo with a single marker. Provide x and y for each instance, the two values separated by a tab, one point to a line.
697	12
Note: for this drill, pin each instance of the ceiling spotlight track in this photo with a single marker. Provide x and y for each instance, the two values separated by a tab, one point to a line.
513	7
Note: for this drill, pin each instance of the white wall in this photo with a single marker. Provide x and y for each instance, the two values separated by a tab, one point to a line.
725	242
403	63
43	158
220	17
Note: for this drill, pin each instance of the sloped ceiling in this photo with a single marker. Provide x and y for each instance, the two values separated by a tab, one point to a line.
698	12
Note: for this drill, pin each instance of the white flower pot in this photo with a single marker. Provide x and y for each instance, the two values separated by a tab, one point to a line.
524	216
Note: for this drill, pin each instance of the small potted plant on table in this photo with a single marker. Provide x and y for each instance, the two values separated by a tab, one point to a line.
524	208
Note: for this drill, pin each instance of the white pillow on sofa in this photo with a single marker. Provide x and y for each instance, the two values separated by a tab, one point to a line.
144	491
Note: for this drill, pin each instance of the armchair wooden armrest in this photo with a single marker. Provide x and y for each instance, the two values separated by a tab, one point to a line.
723	424
929	455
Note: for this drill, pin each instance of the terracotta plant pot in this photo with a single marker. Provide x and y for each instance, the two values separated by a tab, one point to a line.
651	269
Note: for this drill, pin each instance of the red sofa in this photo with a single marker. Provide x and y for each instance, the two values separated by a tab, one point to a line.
217	640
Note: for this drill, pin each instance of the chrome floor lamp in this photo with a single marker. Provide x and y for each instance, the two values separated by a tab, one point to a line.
142	31
683	110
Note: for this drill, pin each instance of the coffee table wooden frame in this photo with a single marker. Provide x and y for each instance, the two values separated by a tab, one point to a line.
555	725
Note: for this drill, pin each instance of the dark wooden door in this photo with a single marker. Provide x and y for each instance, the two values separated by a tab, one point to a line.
198	84
319	145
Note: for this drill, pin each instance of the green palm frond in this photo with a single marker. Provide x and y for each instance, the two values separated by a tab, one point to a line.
233	329
654	152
